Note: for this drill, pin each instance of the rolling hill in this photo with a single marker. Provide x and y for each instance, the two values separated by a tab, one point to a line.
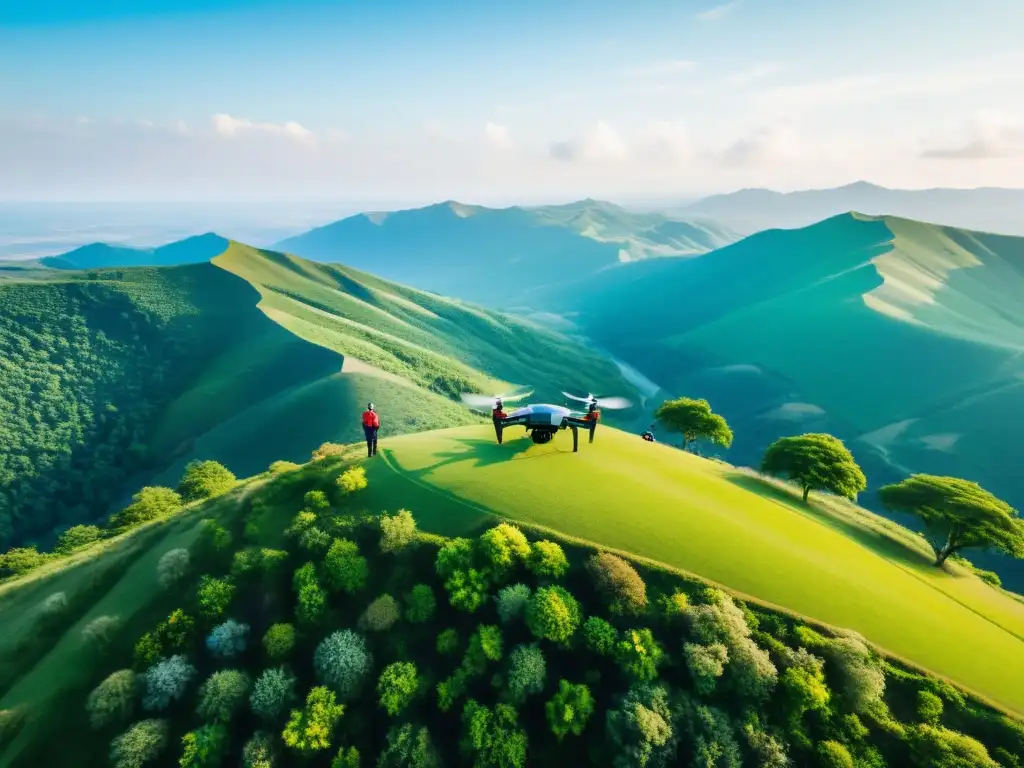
191	250
118	376
753	210
498	256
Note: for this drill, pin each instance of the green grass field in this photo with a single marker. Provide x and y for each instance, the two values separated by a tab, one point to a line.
721	524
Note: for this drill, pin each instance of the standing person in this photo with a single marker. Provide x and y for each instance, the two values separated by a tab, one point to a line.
496	416
371	423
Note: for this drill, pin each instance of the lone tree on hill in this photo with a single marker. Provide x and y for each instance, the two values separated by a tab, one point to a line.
695	421
957	514
818	462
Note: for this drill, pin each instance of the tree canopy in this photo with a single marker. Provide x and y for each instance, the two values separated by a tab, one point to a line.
695	421
819	462
957	514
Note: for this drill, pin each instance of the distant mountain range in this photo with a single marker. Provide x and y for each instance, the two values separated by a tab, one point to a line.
191	250
753	210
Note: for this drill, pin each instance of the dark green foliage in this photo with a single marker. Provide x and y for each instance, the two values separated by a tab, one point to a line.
204	747
259	751
957	515
929	707
619	582
150	503
380	615
316	500
640	728
223	695
706	664
139	745
548	559
76	537
817	462
512	602
639	654
447	642
409	747
311	729
527	671
147	651
272	694
466	584
345	569
112	702
204	480
346	758
600	636
397	686
553	614
569	710
420	604
492	738
694	420
214	596
279	640
176	631
710	733
342	661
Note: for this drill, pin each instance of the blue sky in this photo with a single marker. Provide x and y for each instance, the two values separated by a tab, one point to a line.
504	102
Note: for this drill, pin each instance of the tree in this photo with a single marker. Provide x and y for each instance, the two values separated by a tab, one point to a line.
204	480
706	664
493	738
316	500
342	662
310	730
548	559
204	747
346	758
503	546
420	604
929	707
139	745
957	515
447	642
409	747
397	531
228	639
148	504
832	754
619	582
76	537
527	671
172	567
933	746
223	694
112	702
345	569
694	420
380	615
397	686
279	640
512	602
860	675
640	728
214	595
553	614
600	636
818	462
569	709
166	681
639	654
273	693
352	480
259	751
20	560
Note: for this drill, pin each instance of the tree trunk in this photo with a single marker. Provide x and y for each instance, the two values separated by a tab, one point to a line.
946	550
807	490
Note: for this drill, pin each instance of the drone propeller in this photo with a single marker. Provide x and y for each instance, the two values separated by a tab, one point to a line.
482	401
611	403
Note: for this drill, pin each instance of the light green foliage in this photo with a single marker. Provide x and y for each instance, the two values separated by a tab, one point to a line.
314	540
273	693
621	584
151	503
454	555
818	462
172	567
352	480
204	747
328	449
467	590
397	531
223	695
176	631
112	702
447	642
229	639
214	596
316	500
259	751
310	730
279	640
245	562
76	537
397	686
147	650
694	420
933	746
503	546
861	680
706	664
204	480
213	539
166	682
342	662
272	561
512	602
832	754
673	606
640	728
600	636
493	737
139	745
302	522
929	707
547	559
553	614
768	750
346	758
803	690
569	709
99	632
380	615
409	747
809	638
281	467
20	560
527	671
639	654
420	604
490	642
957	515
311	598
345	569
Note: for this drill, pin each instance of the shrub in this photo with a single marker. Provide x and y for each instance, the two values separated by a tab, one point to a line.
547	559
768	750
314	540
489	641
553	614
409	747
172	567
228	639
639	654
245	562
397	531
139	745
527	671
706	664
447	642
711	734
600	636
316	500
503	546
932	746
223	694
454	555
310	730
150	503
621	585
493	737
640	728
112	702
803	690
18	561
346	758
674	605
569	710
302	522
204	480
861	678
76	537
279	640
929	707
420	604
204	747
342	662
512	602
166	681
397	686
832	754
273	693
380	615
328	449
280	467
147	650
100	631
259	751
214	595
346	570
175	632
352	480
467	590
213	539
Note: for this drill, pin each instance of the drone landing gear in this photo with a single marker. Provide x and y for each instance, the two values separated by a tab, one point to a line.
575	438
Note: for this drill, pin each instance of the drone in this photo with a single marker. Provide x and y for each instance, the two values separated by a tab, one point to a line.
543	420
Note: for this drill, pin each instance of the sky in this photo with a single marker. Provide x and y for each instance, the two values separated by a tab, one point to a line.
500	103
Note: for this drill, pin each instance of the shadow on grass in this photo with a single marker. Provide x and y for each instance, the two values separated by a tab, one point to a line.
878	542
481	453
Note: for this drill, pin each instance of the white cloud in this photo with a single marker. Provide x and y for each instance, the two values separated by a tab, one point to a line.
497	136
599	144
667	139
229	127
718	12
988	135
764	146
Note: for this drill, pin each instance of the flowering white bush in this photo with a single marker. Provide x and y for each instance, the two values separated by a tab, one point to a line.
342	662
166	681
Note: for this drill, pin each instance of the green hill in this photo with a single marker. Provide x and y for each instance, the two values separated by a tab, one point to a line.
498	256
191	250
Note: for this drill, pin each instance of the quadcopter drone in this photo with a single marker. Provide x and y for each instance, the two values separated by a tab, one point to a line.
543	420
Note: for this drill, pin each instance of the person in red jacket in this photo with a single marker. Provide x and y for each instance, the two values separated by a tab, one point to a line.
371	423
496	416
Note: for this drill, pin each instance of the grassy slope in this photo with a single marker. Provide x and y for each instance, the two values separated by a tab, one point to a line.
721	524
